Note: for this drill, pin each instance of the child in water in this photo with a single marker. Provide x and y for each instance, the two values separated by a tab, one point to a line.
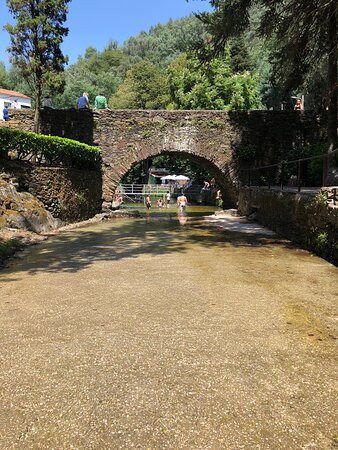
160	203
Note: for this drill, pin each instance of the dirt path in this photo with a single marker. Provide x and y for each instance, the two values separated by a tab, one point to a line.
145	334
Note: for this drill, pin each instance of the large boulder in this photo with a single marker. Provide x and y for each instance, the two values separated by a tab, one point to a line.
22	210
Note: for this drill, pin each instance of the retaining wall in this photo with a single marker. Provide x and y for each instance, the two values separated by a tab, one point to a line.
306	219
69	194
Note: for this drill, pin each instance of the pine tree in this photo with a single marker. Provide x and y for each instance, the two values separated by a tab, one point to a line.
35	45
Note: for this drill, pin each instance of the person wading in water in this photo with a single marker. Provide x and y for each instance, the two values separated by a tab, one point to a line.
148	202
182	202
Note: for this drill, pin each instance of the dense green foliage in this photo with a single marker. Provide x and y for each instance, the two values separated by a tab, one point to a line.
144	87
4	81
138	74
255	57
163	43
35	49
93	73
312	171
301	37
211	86
48	149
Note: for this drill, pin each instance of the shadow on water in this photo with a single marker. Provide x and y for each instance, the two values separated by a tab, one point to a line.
150	236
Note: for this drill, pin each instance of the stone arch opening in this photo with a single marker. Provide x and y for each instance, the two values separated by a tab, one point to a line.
222	177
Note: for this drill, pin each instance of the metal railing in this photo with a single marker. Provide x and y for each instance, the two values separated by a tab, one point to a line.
332	197
143	189
282	174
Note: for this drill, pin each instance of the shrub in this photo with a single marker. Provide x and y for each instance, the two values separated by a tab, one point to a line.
49	150
322	242
312	170
247	154
8	248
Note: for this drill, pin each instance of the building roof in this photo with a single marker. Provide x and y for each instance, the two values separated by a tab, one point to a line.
13	94
155	170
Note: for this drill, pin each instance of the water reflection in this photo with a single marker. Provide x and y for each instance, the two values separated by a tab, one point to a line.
182	218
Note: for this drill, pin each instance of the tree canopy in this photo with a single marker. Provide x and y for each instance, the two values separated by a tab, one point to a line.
138	73
300	34
211	86
35	49
144	87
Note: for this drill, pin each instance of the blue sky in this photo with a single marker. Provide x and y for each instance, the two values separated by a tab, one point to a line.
94	23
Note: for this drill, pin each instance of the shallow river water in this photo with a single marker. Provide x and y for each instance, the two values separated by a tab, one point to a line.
161	332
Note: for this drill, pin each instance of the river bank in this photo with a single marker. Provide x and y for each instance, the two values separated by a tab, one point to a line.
13	240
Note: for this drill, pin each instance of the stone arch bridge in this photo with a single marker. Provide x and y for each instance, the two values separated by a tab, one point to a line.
215	139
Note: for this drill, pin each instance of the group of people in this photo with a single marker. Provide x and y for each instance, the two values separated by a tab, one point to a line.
182	202
100	101
47	103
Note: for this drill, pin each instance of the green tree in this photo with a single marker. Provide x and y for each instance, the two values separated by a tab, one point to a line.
3	76
145	87
211	86
164	42
16	82
35	45
95	72
305	31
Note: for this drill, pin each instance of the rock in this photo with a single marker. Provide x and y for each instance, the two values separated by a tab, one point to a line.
106	206
117	214
21	210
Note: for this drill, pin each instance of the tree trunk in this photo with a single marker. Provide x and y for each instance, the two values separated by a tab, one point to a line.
38	104
332	177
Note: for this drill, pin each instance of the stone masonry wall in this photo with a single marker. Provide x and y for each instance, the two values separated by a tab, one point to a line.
303	218
69	194
212	138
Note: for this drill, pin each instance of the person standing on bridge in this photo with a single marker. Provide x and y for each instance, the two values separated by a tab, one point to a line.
83	101
101	102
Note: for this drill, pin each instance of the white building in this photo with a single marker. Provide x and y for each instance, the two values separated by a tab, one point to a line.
13	99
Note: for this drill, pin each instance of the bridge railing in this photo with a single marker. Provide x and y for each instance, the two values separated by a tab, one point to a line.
138	191
143	189
304	173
